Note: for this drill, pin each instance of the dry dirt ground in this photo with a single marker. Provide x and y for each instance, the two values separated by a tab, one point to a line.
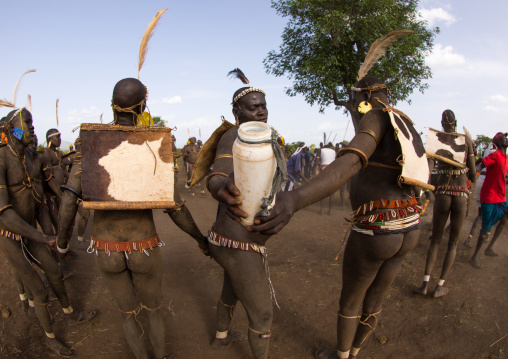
307	279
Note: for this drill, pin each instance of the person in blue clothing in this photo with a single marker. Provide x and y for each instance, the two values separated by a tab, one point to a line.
295	168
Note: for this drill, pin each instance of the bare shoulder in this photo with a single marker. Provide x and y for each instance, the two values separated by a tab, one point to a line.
225	145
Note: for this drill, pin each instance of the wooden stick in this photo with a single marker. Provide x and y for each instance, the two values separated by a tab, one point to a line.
504	336
445	160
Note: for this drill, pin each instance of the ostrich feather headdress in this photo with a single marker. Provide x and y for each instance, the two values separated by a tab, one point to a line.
237	73
143	47
6	103
378	49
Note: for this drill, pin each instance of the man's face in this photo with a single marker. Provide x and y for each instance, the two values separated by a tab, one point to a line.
24	121
252	107
56	141
502	142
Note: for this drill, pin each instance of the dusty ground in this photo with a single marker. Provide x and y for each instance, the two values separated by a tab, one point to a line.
307	279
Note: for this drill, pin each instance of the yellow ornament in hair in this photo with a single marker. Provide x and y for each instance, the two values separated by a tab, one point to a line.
364	107
145	119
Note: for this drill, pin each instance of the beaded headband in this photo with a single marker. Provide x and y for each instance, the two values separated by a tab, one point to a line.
54	134
247	91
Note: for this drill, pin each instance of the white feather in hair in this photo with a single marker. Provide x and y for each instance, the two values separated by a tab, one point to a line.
143	47
17	84
378	48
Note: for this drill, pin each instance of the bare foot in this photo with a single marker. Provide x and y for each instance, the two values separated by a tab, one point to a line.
422	290
475	263
232	337
58	348
491	253
79	317
469	242
325	354
440	291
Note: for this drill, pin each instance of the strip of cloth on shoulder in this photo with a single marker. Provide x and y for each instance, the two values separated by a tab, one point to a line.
356	151
456	191
70	189
218	240
208	152
126	247
384	203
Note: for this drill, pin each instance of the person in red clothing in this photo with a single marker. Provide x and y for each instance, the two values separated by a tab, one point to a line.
493	196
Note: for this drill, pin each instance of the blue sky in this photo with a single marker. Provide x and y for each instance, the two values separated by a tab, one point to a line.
81	49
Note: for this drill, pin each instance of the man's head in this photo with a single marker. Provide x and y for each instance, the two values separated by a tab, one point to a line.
18	126
53	138
365	91
500	140
448	121
200	143
32	147
192	140
250	107
129	100
249	103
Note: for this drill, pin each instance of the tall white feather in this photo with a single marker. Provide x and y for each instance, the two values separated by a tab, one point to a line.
17	84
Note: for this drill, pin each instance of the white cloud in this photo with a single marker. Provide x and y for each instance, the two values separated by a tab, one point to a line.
499	98
77	116
437	15
172	100
490	108
444	57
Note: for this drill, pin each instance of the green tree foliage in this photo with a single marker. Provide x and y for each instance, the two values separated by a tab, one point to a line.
482	142
325	42
158	121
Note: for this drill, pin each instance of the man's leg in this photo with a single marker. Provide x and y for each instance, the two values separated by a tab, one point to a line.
21	290
489	251
248	278
477	221
225	309
457	217
55	278
147	278
83	216
442	207
12	251
119	282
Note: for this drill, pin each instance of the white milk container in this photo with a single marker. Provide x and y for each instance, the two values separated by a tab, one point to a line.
254	166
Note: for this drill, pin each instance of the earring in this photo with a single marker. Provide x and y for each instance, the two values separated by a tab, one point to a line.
364	107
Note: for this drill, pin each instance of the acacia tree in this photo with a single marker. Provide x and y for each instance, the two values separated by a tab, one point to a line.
325	43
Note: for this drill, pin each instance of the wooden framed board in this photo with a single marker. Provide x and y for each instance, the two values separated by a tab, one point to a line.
449	148
126	167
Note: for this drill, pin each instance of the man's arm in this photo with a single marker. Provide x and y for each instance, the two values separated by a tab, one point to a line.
10	220
69	208
223	188
330	179
470	161
184	220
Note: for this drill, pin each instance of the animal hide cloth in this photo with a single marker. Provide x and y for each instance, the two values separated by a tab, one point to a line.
207	154
126	167
415	169
449	148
